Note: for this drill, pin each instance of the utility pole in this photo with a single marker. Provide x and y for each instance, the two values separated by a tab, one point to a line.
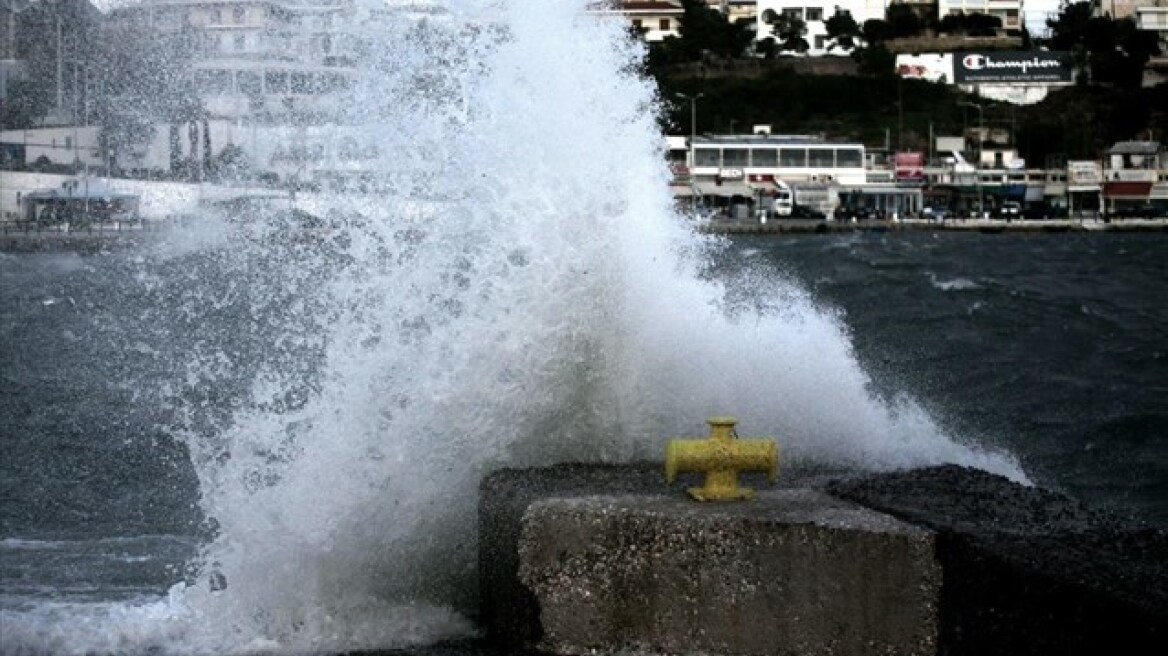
693	135
980	142
60	70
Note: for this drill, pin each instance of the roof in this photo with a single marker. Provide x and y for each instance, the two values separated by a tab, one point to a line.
638	6
1135	148
767	140
94	194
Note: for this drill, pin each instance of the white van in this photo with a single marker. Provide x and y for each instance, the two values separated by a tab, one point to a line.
784	199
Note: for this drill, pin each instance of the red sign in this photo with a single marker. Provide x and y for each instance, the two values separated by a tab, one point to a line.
910	167
1128	190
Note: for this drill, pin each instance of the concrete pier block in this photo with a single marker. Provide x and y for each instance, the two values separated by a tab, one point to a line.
794	572
1029	571
940	560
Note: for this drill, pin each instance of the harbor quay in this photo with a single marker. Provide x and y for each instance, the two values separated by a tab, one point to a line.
985	226
584	559
99	237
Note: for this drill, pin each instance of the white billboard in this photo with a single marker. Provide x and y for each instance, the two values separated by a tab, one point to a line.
934	67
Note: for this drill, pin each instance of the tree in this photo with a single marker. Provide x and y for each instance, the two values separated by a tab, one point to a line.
704	30
1105	51
842	29
55	40
789	30
903	21
875	31
974	24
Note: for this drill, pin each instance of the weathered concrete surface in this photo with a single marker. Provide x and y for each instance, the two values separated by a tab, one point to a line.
1027	570
508	610
793	572
1024	570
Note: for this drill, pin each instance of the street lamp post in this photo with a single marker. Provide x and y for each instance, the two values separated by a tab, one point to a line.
693	133
977	168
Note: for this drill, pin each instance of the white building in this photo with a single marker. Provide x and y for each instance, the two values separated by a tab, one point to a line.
1152	15
814	13
655	19
257	58
1009	11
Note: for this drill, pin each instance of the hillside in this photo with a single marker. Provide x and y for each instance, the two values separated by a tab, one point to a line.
834	100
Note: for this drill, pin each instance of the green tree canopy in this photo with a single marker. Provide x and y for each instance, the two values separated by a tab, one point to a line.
1109	52
790	31
842	29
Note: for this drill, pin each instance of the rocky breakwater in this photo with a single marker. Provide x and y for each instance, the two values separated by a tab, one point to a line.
947	560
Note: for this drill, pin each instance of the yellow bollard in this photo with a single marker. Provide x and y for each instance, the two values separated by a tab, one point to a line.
721	457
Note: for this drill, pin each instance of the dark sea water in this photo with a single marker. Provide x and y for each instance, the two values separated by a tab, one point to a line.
1052	347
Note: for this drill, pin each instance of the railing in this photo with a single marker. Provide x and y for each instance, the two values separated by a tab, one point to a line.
111	228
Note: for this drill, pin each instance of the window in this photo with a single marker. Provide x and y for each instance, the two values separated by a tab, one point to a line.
664	25
637	23
735	157
793	12
301	83
240	15
248	82
276	82
849	158
820	42
793	157
821	157
707	157
768	157
240	42
214	81
814	14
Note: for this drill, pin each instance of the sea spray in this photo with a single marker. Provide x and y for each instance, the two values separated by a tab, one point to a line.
519	291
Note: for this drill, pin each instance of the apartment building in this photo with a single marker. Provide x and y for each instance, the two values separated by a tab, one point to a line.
814	14
1011	12
655	19
256	58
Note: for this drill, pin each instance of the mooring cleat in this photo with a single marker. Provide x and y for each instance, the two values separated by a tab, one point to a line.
721	457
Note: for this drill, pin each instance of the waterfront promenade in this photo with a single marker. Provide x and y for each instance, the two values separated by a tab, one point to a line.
988	226
98	237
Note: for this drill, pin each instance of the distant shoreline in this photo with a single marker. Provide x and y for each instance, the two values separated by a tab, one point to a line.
102	238
85	240
984	226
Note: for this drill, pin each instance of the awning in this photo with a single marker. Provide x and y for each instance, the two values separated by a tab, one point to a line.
1127	190
727	188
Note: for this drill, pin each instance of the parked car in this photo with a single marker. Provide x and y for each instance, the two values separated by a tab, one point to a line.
804	212
936	213
1010	209
1040	211
857	213
1142	211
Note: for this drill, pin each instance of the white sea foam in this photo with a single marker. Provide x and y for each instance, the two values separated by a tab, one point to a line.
956	284
531	297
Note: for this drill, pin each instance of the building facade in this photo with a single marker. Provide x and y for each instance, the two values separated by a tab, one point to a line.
655	19
1010	12
814	15
258	59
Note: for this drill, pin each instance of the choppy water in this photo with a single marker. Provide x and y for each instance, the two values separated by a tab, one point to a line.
257	437
1054	347
1050	348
